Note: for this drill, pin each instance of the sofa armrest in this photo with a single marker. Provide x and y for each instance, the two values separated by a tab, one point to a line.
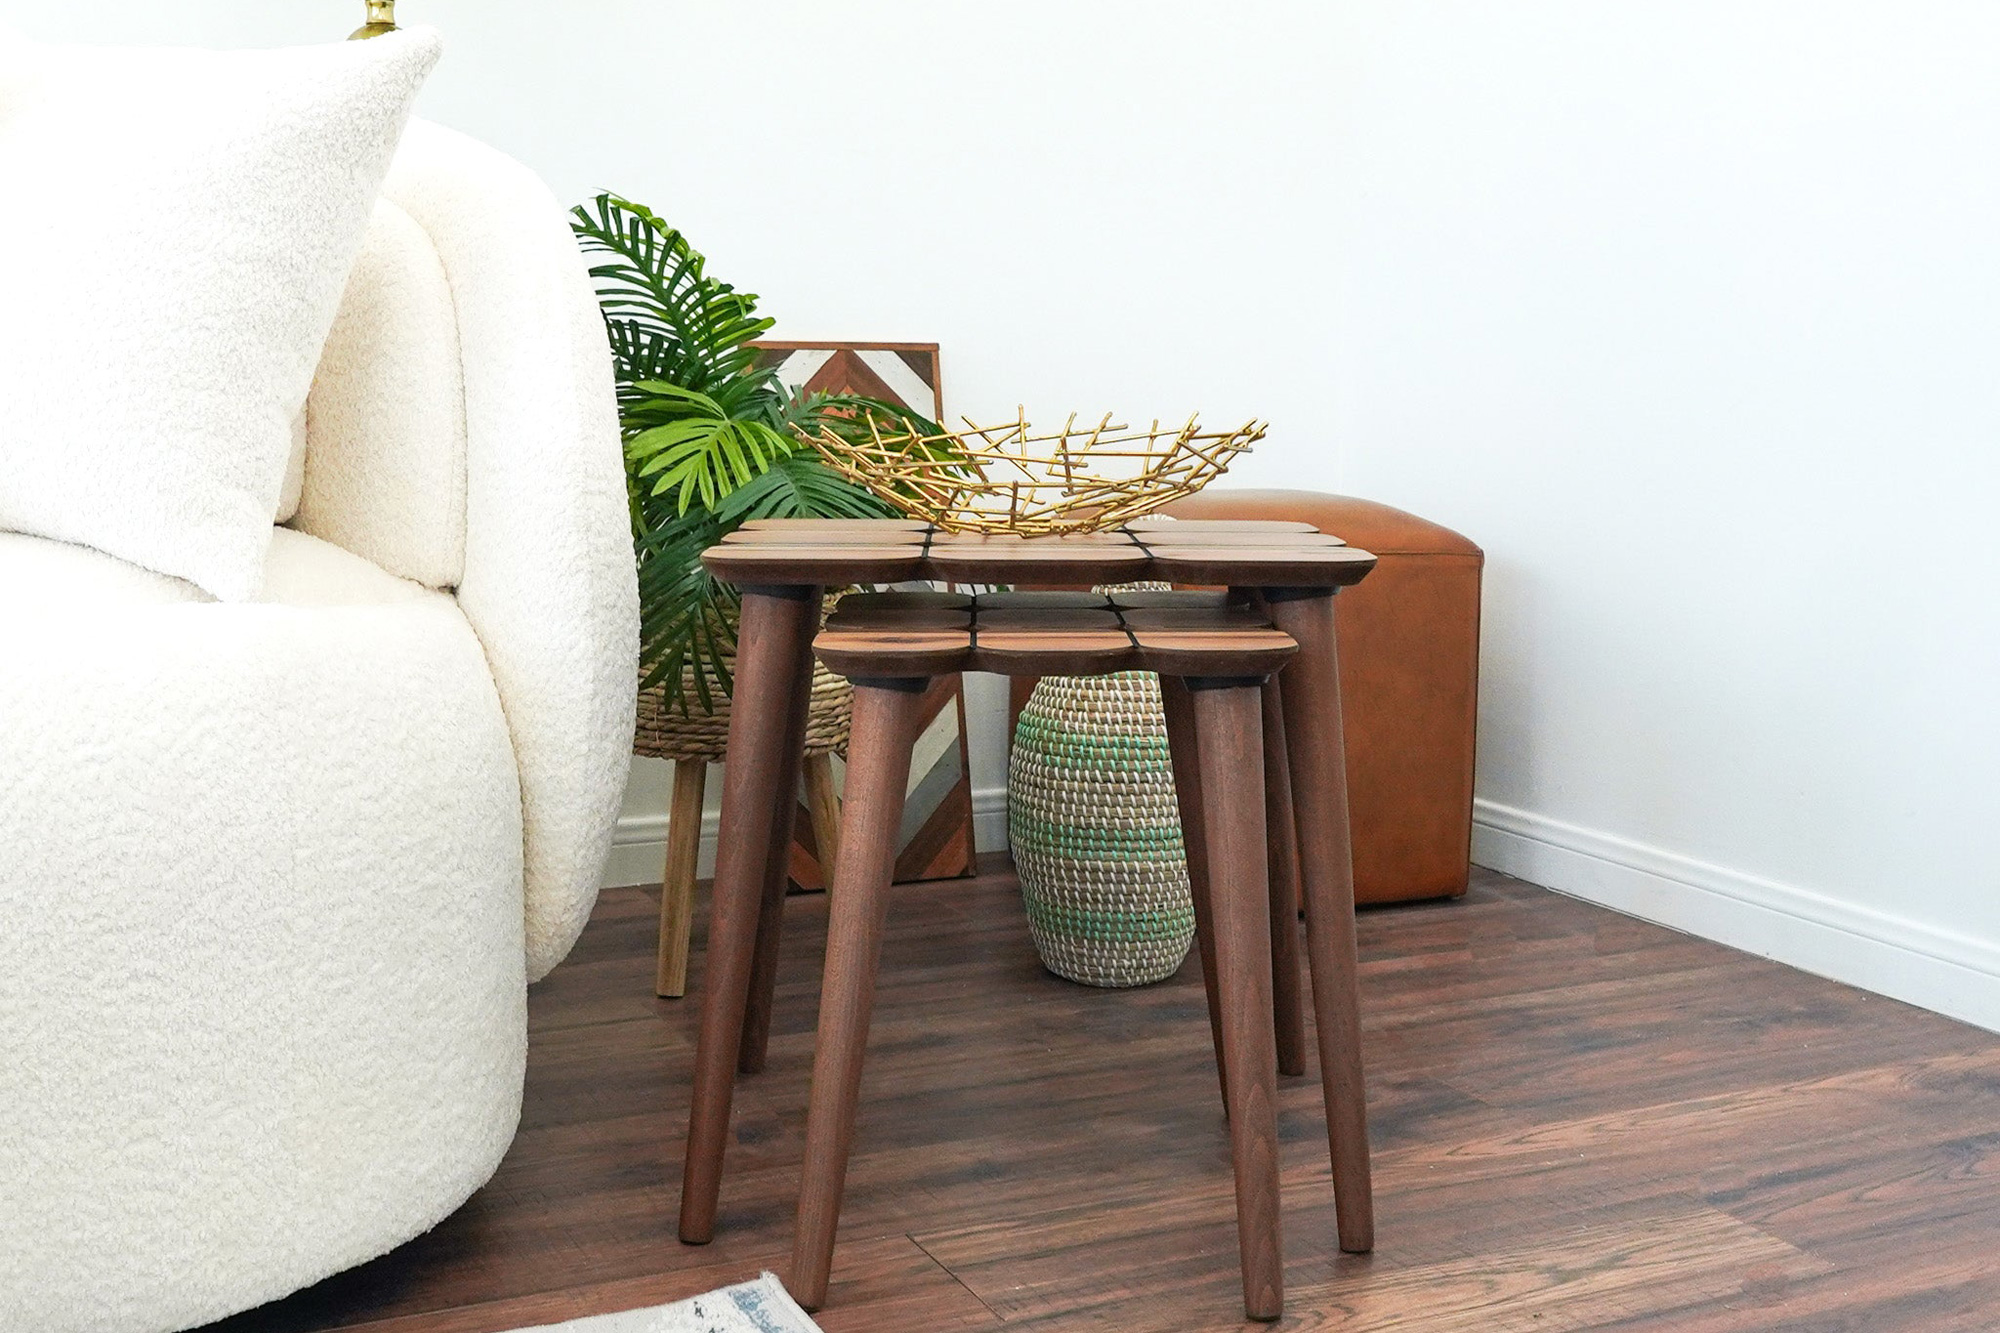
548	583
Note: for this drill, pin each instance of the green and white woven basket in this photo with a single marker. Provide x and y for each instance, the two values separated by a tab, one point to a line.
1096	832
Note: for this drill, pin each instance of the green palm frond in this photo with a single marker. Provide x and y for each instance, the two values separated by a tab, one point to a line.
668	320
686	616
699	451
711	435
800	486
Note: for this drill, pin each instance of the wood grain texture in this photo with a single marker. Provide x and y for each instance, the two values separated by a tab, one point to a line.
885	1282
1288	1003
1191	611
1241	653
804	562
1188	634
878	769
1555	1092
1177	707
899	650
1176	599
1063	560
842	554
885	618
870	608
1086	618
790	769
1310	695
1050	652
677	877
1046	599
1262	567
906	599
773	640
1229	735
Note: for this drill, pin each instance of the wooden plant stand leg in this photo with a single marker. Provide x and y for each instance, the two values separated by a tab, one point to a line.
1281	834
823	808
1178	707
1230	733
878	769
756	1039
775	633
677	877
1326	862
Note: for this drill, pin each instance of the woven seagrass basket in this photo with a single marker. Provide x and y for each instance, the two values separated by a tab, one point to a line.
1096	832
665	732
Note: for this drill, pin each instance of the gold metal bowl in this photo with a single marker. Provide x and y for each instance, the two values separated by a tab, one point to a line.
1007	478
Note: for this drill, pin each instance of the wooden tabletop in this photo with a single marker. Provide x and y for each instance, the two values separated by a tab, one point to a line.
912	634
841	552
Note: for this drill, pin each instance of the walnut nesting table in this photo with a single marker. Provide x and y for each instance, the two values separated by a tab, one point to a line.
1214	654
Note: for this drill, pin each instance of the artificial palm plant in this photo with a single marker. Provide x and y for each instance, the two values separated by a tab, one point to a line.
712	437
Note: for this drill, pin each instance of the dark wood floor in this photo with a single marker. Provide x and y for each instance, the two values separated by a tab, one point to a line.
1580	1122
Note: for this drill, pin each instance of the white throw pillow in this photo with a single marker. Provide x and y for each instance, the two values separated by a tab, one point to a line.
176	229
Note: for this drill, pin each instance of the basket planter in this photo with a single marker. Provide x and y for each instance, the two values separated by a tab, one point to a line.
1096	832
664	732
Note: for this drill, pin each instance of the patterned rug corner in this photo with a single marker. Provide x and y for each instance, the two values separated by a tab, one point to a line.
763	1306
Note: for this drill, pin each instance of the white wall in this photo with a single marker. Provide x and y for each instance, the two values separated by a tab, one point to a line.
1687	311
1690	312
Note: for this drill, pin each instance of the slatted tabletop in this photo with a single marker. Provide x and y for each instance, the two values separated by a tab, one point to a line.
1050	633
841	552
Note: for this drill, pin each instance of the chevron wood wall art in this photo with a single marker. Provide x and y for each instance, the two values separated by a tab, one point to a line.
905	373
937	815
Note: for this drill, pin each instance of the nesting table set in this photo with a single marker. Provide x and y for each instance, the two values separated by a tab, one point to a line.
1249	680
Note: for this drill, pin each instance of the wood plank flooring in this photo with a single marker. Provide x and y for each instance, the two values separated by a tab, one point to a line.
1580	1122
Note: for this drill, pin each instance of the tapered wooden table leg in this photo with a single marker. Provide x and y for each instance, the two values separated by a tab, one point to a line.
1230	734
1311	692
1281	835
756	1038
677	877
775	632
1185	754
878	768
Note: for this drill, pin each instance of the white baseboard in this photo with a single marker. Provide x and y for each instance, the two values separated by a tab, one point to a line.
1935	969
989	819
639	844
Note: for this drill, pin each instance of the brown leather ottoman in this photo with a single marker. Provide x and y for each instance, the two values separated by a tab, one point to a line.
1409	685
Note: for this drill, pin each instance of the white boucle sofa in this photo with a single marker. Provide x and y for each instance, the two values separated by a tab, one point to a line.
274	876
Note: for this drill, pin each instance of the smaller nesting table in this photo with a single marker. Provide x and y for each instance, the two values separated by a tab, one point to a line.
1217	655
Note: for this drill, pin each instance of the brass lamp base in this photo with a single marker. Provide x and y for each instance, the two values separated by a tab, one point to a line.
381	19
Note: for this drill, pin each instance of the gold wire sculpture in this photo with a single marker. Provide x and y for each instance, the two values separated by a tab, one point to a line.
1007	479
